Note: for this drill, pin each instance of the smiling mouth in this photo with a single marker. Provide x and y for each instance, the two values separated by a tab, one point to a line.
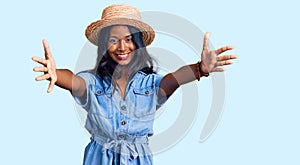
122	56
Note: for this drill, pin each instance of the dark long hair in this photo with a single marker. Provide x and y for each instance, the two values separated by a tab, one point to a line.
106	66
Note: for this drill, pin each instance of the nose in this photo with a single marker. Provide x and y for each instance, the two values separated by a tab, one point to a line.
122	45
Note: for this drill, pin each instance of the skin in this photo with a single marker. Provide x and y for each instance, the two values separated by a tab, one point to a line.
120	43
121	49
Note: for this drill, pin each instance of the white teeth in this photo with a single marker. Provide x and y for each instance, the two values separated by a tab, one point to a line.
123	55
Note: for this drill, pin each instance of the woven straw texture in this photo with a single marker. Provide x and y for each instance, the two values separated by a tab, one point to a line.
119	14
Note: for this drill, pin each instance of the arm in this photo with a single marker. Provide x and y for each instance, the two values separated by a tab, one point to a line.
210	62
183	75
63	78
69	81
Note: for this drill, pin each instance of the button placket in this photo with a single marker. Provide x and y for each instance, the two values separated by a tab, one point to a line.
122	120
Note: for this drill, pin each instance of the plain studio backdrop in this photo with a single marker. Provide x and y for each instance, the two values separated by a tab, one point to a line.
259	123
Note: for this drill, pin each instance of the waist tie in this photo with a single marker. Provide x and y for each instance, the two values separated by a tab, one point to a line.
123	144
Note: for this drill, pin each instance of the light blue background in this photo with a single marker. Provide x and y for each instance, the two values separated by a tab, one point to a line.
260	122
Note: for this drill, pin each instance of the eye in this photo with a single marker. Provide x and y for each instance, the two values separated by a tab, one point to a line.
113	41
129	39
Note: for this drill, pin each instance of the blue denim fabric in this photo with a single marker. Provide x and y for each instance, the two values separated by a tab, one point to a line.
120	128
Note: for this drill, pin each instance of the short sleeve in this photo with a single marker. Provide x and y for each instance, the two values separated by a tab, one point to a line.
89	81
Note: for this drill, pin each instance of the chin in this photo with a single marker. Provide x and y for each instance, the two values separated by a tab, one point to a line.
123	63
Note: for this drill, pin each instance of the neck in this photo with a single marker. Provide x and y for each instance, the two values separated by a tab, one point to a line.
124	73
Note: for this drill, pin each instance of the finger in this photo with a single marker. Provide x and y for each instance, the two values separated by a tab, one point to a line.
48	54
218	70
223	49
206	41
227	57
43	77
222	63
40	69
39	60
52	82
51	85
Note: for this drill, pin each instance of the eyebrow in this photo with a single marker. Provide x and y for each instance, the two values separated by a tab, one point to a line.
118	38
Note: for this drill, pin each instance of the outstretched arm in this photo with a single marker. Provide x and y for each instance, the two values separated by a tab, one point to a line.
63	78
210	62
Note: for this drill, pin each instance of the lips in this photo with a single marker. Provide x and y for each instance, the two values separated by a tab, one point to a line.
122	56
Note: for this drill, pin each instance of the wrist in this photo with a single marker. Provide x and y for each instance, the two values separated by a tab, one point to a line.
201	72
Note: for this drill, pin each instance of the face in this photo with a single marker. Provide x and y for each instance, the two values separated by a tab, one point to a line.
120	45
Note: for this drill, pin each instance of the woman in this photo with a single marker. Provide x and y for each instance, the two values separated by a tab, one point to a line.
122	92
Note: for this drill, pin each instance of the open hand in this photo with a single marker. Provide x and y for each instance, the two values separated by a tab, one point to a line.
48	68
211	62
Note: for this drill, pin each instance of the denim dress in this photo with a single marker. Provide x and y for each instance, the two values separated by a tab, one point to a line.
120	128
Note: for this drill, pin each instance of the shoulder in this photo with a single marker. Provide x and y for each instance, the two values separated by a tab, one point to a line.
95	82
90	78
152	79
144	76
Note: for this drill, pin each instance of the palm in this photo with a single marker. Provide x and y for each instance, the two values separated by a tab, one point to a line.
211	61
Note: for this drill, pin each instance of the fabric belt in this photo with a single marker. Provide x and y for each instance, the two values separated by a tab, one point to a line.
122	144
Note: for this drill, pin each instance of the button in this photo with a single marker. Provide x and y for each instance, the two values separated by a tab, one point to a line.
98	92
123	122
146	92
123	107
122	136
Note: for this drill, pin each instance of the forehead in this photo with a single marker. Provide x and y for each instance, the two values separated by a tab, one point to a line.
119	31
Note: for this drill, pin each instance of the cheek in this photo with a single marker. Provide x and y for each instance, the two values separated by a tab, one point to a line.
111	48
133	47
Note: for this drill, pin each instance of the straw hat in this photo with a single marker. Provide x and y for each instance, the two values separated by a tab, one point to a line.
119	14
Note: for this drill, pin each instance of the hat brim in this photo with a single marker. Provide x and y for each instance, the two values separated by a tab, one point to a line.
93	30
